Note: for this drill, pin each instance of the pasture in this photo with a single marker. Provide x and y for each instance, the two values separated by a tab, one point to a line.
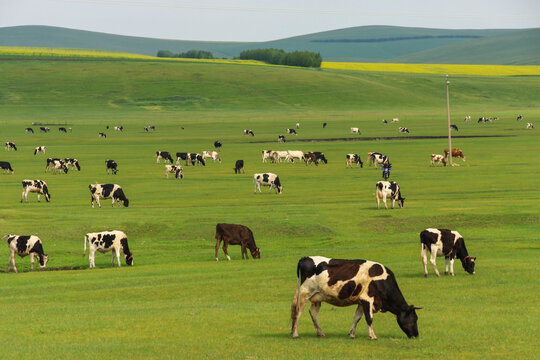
177	301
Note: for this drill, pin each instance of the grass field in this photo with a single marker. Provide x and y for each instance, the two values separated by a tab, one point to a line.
177	301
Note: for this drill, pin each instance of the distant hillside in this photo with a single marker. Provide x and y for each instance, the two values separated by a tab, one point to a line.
358	44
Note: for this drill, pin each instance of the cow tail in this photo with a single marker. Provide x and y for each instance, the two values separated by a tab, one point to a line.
296	306
85	240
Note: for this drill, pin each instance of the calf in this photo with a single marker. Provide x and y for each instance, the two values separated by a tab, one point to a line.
107	191
529	126
438	158
24	245
176	169
217	144
29	130
447	243
403	130
106	241
266	154
455	153
118	128
353	158
376	158
239	165
355	130
370	285
267	179
163	155
37	186
10	146
249	132
231	234
211	155
454	127
56	165
111	165
62	129
281	139
4	165
40	149
103	135
390	189
291	131
74	163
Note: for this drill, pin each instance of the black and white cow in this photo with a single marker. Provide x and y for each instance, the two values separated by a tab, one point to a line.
37	186
56	165
249	132
217	144
467	118
10	146
388	189
62	129
239	165
29	130
4	165
103	135
267	179
107	191
146	128
291	131
529	126
190	157
111	165
376	158
74	163
118	128
385	121
324	125
454	127
24	245
353	159
281	139
44	129
152	128
266	154
447	243
355	130
320	156
40	149
106	241
163	155
370	285
403	130
174	169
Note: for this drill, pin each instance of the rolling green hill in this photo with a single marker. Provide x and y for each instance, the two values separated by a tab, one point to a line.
358	44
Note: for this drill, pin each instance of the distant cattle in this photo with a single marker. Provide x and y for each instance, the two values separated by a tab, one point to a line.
145	128
315	157
353	159
281	139
24	245
103	135
70	130
467	118
37	186
106	241
403	130
484	119
111	165
354	130
4	165
40	149
239	165
384	121
118	128
529	126
232	234
320	156
108	191
520	117
266	154
291	131
62	129
438	158
153	128
447	243
376	158
267	179
455	153
385	189
29	130
297	125
454	127
249	132
74	163
370	285
174	169
56	166
395	120
277	156
324	125
211	155
217	144
44	129
295	154
163	155
190	157
10	146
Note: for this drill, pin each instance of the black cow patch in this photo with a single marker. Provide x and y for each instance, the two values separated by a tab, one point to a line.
265	178
341	270
22	243
108	240
107	189
375	270
347	290
357	290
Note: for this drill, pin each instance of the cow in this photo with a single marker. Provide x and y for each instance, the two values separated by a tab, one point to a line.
37	186
211	155
239	165
353	158
403	130
529	126
266	154
320	157
62	129
249	132
267	179
10	146
291	132
111	165
277	156
467	118
29	130
4	165
455	153
520	117
354	130
190	157
153	128
70	130
107	191
438	158
484	119
368	284
103	135
281	139
384	121
106	241
44	129
232	234
40	149
24	245
145	128
324	125
176	169
454	127
376	158
311	158
56	165
447	243
74	163
163	155
390	189
395	120
298	125
119	128
217	144
294	154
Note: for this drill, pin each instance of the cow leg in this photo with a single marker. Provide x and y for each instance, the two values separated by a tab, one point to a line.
117	251
99	204
225	245
38	197
393	202
369	318
11	263
357	317
244	251
218	241
298	304
113	201
91	258
31	261
446	262
432	260
423	254
452	266
378	201
314	312
384	201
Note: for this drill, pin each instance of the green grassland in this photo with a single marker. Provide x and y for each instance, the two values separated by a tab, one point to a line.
176	301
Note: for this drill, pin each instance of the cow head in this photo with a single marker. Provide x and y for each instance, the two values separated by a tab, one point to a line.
129	259
407	321
468	264
256	253
126	202
401	200
46	193
42	260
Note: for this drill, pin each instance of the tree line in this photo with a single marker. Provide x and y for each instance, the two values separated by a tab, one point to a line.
281	57
191	54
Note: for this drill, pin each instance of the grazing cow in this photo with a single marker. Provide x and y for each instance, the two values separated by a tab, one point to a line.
354	130
111	165
74	163
24	245
153	128
324	125
484	119
403	130
455	153
267	179
56	165
384	122
370	285
447	243
146	128
103	135
395	120
320	156
37	186
106	241
70	130
107	191
118	128
239	165
10	146
4	165
529	126
281	139
353	158
163	155
266	154
311	158
298	125
438	158
190	157
176	169
467	118
376	158
390	189
217	144
44	129
29	130
40	149
294	154
291	131
249	132
211	155
454	127
520	117
231	234
62	129
277	156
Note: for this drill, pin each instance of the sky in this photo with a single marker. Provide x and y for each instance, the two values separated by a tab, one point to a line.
263	20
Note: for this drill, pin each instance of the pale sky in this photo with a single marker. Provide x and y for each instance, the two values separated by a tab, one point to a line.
262	20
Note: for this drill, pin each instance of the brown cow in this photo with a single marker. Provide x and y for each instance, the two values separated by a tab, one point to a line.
455	153
232	234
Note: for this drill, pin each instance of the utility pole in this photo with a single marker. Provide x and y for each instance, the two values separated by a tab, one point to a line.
449	129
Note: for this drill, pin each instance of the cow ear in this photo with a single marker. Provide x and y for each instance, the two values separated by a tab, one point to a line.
415	307
473	259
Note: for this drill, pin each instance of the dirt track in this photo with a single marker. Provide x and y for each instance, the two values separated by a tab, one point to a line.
385	138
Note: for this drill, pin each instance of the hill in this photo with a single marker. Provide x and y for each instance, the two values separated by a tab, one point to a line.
357	44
